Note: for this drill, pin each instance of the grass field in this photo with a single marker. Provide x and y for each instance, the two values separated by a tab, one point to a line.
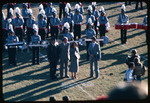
26	82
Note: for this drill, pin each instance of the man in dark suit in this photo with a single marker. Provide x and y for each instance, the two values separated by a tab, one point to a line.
52	54
94	56
64	56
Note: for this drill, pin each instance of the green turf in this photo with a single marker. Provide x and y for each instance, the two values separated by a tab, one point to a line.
32	83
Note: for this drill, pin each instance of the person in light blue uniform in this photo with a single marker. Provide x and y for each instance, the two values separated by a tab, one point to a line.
55	22
103	20
25	14
42	23
35	39
90	32
68	34
78	19
67	19
123	19
49	14
96	15
18	23
12	38
30	22
89	15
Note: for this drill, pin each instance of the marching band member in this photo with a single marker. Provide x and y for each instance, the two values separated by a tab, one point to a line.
25	14
67	19
30	21
35	39
42	23
62	9
18	24
42	12
90	32
70	13
53	57
96	15
123	19
64	55
81	7
102	20
54	23
49	14
78	19
12	38
10	5
94	56
74	58
145	23
89	15
70	36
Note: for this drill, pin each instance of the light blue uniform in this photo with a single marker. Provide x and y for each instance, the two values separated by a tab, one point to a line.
42	23
66	19
54	21
77	18
90	16
30	22
35	39
90	33
48	12
25	13
18	21
102	20
69	36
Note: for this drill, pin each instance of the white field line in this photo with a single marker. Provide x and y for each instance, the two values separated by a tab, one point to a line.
73	81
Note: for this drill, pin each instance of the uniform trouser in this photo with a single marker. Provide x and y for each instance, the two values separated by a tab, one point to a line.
42	34
19	32
92	60
25	23
71	27
137	3
77	31
29	34
123	36
61	9
138	78
54	31
62	62
102	30
12	55
87	46
35	49
53	65
4	36
95	27
48	23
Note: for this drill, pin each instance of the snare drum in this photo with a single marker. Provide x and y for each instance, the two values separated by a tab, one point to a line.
140	26
126	26
145	27
133	25
117	26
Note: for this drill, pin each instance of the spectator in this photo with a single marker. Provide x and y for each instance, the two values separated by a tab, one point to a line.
128	91
137	72
133	55
129	73
74	57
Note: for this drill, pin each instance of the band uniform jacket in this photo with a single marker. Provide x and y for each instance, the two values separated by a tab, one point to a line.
96	51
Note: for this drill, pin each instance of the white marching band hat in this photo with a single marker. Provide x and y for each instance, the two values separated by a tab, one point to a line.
40	6
68	5
35	27
93	3
77	7
66	25
90	21
42	12
29	11
66	9
123	7
102	9
17	10
11	11
54	11
89	8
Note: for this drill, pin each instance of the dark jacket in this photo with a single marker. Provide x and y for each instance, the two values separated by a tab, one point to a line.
53	52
